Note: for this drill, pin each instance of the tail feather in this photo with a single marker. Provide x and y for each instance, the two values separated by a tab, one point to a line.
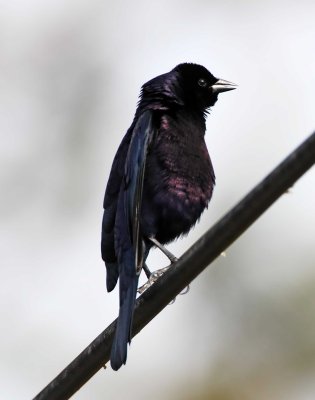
123	329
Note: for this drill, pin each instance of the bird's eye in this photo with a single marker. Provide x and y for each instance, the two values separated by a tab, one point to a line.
202	82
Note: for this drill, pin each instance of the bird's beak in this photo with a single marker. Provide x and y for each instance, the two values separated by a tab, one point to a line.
222	86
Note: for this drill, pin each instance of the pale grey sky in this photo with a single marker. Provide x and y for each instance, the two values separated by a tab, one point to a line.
70	76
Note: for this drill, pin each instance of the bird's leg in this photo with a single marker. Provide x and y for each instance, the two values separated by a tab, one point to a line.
149	282
146	270
168	254
156	274
172	258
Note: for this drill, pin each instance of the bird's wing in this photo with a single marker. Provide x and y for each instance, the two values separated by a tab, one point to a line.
135	165
128	241
110	208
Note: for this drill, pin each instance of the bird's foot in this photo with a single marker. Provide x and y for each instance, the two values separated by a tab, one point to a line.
153	277
144	287
159	272
186	290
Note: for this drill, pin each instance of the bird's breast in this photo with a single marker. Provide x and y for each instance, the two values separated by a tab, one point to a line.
184	198
178	186
174	208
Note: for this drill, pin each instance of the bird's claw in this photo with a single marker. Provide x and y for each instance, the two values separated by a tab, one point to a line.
159	272
146	286
186	290
153	277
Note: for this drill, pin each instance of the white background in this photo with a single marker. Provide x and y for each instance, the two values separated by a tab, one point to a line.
70	74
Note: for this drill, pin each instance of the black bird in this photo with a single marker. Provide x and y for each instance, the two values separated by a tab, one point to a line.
160	182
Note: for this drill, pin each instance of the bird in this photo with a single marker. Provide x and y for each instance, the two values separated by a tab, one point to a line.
161	180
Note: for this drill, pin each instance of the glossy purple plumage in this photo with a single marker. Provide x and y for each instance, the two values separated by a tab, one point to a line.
179	177
160	182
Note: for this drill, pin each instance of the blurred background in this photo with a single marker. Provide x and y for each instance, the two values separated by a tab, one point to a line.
70	76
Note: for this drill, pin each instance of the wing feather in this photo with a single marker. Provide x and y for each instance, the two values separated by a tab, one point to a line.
129	246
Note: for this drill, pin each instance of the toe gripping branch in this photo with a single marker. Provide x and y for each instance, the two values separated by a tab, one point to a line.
152	277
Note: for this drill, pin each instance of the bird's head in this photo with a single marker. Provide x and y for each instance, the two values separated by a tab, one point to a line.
187	84
198	87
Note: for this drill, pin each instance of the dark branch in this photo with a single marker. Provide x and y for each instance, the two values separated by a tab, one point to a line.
191	264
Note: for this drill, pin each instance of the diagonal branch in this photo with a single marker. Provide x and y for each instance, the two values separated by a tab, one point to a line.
191	264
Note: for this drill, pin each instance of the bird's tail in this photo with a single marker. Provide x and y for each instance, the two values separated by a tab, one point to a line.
123	328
